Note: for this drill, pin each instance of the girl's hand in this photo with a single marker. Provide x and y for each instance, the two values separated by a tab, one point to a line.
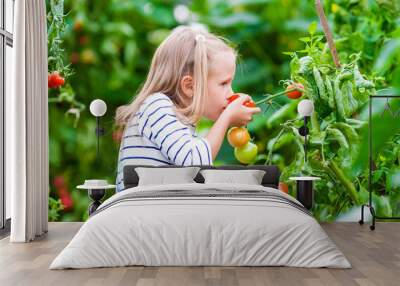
237	114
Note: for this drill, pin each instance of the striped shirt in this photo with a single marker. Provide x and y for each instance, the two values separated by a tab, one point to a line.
155	136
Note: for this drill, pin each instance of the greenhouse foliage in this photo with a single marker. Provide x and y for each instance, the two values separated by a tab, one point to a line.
102	49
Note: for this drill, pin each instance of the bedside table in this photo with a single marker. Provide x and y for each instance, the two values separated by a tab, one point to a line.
305	192
96	191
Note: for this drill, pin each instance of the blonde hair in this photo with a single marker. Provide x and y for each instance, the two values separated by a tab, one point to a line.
184	52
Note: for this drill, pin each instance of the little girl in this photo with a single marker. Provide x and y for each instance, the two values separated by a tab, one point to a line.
190	76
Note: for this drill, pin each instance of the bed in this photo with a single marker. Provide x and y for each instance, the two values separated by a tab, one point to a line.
201	224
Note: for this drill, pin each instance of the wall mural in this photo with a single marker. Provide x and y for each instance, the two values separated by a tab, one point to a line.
102	50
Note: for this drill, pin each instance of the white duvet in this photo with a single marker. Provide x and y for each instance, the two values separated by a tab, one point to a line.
269	228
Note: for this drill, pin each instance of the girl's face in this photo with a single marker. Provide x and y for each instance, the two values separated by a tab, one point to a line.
221	73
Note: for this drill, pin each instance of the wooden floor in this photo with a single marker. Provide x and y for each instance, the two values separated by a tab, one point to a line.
374	255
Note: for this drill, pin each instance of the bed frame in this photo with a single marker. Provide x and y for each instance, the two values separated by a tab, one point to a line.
270	179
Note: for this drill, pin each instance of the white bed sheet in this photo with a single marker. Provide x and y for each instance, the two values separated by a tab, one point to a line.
202	231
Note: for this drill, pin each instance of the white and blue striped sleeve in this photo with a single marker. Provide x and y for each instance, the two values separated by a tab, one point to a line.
158	123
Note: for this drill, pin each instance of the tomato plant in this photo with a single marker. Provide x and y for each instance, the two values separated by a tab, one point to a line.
103	50
339	96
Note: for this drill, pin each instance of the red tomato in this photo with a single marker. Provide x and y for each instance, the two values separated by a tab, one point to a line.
283	187
250	104
238	136
66	199
59	181
50	80
55	80
59	81
233	97
294	94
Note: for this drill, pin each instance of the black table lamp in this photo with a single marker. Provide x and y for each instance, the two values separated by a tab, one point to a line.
305	108
98	108
305	192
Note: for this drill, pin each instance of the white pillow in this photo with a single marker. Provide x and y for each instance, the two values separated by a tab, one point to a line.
163	176
249	177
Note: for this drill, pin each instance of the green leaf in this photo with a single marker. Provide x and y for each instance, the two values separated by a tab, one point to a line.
387	56
331	95
57	8
320	84
355	123
338	136
339	99
312	28
393	179
382	205
360	81
376	175
383	124
305	39
348	130
305	65
289	53
285	111
317	138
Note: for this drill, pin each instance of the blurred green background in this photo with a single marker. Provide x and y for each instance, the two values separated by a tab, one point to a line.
104	49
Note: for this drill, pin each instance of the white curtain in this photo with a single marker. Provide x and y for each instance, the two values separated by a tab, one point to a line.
27	173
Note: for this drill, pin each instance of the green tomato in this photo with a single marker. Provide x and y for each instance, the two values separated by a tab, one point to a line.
247	153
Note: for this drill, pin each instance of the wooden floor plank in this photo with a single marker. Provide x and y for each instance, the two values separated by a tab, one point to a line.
374	255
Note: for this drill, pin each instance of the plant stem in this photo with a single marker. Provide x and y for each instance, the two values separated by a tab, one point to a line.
327	31
321	166
269	158
337	202
272	96
349	186
341	207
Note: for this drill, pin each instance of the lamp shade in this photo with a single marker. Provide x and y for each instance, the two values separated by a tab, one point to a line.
305	107
98	107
